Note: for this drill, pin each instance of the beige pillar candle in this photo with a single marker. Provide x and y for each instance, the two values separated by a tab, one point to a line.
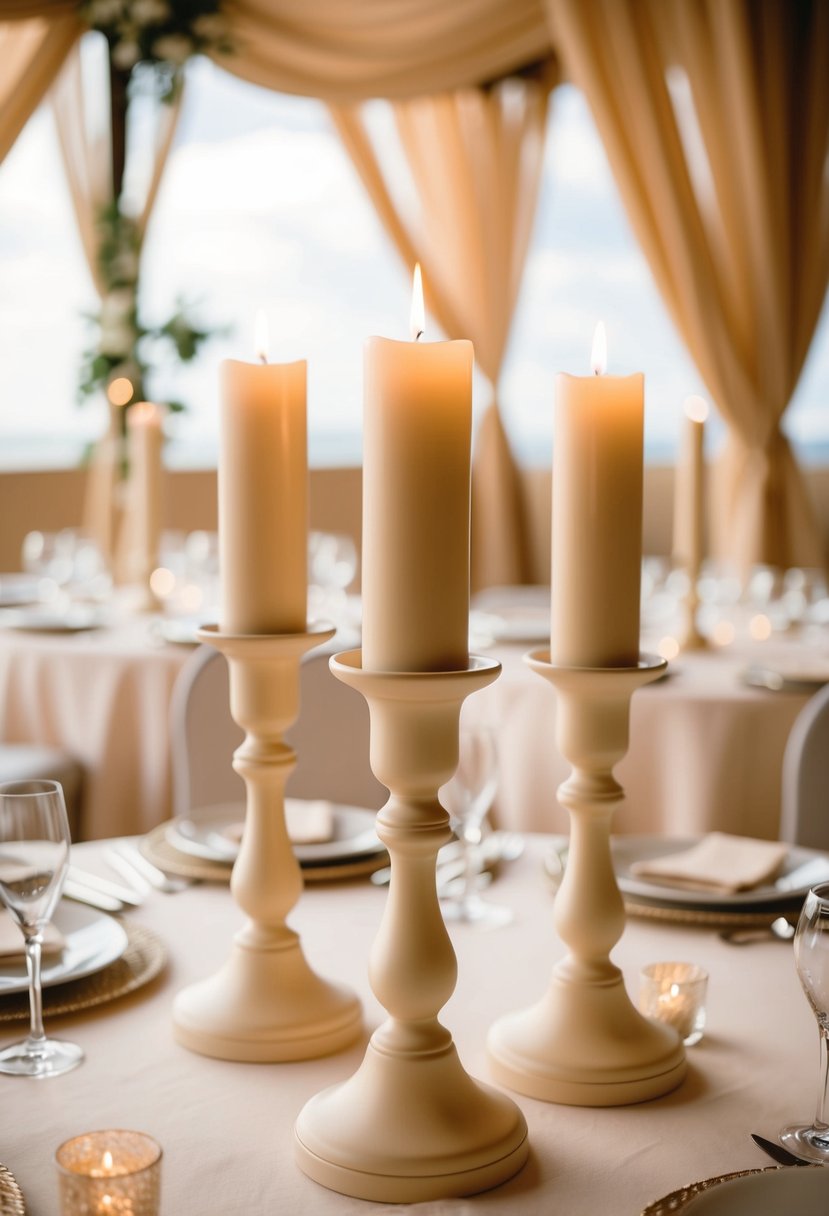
417	436
597	517
263	497
689	491
145	440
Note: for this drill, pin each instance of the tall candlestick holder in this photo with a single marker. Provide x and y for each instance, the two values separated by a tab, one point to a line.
265	1003
584	1043
411	1124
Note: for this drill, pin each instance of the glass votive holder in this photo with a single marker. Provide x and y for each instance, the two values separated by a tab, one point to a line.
675	993
109	1173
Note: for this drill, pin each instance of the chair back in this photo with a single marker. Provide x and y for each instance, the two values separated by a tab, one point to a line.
804	815
331	737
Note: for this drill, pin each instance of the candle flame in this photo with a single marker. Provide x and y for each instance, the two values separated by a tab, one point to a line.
106	1161
417	316
696	408
598	355
261	336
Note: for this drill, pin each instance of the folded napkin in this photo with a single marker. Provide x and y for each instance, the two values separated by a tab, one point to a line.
12	947
307	823
719	862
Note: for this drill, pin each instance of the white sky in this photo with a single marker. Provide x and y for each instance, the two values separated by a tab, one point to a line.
260	208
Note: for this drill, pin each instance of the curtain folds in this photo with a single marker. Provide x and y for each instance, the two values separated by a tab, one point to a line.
715	118
31	53
474	157
381	48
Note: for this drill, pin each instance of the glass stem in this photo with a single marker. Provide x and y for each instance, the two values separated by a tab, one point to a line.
34	941
822	1114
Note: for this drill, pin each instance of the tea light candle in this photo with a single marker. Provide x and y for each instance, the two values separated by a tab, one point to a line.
109	1173
675	993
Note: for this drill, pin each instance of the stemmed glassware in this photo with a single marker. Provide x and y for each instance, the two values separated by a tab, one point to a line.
811	952
34	854
468	797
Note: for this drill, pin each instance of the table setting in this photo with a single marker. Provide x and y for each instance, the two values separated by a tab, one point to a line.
381	1042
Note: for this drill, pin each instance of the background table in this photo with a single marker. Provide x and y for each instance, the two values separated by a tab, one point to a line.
226	1128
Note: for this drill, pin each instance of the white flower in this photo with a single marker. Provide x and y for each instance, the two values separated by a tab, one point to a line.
126	54
173	48
150	12
116	339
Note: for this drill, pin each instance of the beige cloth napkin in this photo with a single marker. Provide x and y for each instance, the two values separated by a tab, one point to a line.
307	822
719	862
11	939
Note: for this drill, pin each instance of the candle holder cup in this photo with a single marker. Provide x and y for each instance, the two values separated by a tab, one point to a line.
265	1003
411	1124
584	1043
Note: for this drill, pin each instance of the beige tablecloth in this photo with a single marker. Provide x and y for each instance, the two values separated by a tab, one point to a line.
706	750
226	1128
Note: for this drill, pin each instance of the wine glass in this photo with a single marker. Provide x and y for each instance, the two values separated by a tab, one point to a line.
34	853
467	798
811	951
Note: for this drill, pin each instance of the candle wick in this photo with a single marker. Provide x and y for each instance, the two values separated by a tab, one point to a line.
263	359
418	335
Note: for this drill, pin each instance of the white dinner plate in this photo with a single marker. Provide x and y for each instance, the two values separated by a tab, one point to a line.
787	677
76	619
792	883
210	833
792	1191
17	590
93	941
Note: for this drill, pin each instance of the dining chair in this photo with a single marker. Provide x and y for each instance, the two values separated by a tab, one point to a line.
330	736
804	812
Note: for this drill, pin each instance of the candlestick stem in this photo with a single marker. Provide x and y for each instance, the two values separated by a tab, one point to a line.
265	1004
411	1124
584	1043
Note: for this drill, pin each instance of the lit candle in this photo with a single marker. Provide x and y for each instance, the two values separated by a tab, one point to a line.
597	516
417	436
263	495
145	430
123	1178
689	508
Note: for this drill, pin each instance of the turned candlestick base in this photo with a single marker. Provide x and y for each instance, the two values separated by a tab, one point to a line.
411	1124
584	1043
689	636
265	1004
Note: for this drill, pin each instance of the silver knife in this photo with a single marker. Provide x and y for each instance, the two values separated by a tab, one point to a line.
776	1151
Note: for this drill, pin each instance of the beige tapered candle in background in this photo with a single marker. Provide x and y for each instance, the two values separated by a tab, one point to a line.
145	440
263	496
689	491
416	467
597	517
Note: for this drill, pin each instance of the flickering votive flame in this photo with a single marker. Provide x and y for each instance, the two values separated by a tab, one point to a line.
106	1162
417	316
261	336
598	354
696	408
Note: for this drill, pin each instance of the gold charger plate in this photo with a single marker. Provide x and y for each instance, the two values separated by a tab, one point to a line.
11	1196
678	1200
157	849
714	918
141	962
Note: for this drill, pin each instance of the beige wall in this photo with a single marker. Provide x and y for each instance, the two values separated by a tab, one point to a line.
51	500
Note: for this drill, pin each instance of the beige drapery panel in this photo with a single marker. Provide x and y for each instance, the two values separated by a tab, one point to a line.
344	52
475	159
87	159
31	53
730	203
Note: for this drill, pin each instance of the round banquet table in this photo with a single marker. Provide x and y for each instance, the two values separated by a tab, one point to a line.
706	750
226	1129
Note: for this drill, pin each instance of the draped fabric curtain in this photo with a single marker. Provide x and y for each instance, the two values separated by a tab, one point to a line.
31	53
475	158
715	118
87	154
